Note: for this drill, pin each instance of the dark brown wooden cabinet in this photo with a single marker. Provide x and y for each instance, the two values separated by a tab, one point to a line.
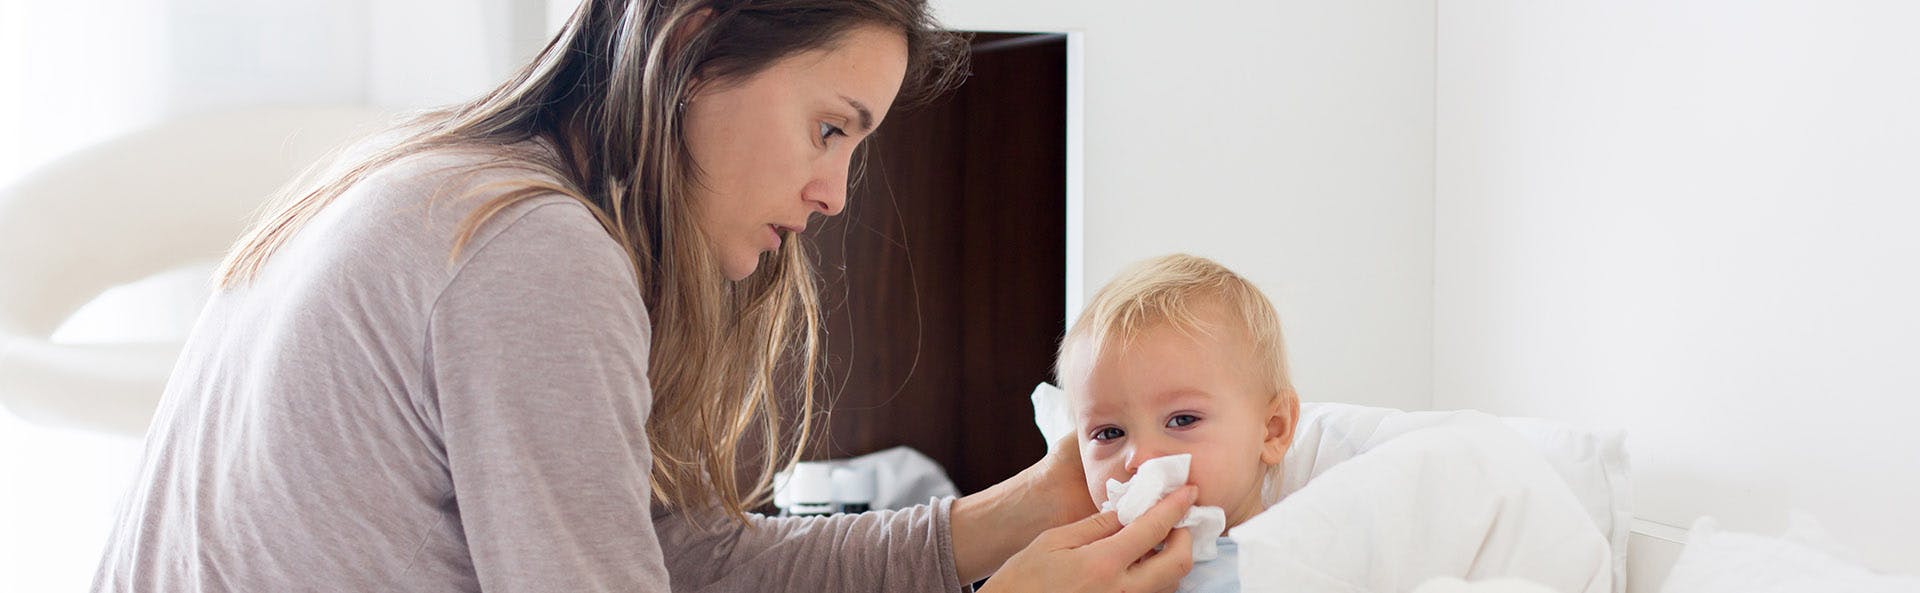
945	278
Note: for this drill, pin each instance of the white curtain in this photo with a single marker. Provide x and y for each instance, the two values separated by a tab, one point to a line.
73	73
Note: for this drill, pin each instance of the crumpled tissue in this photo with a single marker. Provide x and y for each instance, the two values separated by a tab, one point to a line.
1154	480
1051	415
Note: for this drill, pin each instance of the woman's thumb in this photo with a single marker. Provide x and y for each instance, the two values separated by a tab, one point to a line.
1095	527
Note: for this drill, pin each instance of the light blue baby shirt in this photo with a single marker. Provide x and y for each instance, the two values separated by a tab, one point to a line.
1219	575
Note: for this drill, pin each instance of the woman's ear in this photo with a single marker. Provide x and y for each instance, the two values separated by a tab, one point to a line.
1283	413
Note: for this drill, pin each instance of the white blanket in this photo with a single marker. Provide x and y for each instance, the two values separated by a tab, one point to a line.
1470	499
1453	585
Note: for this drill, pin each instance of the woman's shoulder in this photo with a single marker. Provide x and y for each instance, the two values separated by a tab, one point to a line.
415	223
456	180
457	200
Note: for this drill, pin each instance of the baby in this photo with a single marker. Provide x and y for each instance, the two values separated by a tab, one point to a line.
1179	355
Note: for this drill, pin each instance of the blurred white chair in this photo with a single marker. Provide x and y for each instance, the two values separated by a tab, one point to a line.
164	201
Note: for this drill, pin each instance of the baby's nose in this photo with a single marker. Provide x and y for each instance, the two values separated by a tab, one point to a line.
1142	455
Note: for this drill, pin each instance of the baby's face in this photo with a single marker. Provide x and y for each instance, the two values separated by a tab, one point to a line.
1167	393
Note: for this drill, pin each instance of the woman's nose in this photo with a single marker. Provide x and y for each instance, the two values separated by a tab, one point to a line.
827	194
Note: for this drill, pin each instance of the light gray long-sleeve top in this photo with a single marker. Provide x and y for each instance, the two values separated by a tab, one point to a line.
368	416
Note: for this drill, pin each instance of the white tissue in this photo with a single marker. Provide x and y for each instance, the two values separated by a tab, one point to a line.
1155	479
1050	414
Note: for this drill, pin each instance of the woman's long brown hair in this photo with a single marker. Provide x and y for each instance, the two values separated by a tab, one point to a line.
604	96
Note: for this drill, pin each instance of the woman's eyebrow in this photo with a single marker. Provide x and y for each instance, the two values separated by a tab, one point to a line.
866	115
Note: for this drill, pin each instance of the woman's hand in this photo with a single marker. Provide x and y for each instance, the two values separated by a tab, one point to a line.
990	526
1097	555
1059	485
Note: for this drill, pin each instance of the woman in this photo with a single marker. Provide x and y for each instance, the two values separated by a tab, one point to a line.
530	343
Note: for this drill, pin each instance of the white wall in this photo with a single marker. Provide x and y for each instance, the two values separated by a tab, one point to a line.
434	52
92	86
1694	220
1291	140
77	72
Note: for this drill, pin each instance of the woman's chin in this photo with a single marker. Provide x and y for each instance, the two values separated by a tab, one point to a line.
740	268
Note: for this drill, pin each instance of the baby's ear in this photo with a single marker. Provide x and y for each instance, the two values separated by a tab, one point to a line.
1283	413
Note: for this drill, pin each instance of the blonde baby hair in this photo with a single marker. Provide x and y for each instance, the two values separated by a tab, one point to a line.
1168	290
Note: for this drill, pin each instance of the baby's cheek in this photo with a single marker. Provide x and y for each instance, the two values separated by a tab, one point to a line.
1202	476
1217	483
1098	472
1096	480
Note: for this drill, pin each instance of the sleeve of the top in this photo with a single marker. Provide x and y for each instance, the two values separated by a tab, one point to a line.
906	550
538	356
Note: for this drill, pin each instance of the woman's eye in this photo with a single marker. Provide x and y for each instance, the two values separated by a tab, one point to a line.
1108	434
1182	420
828	130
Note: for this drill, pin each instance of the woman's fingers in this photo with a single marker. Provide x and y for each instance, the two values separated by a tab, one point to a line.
1133	541
1062	473
1095	527
1164	569
1096	554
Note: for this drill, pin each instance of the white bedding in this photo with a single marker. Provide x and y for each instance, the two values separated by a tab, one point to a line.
1453	585
1380	500
1468	499
1592	462
1804	560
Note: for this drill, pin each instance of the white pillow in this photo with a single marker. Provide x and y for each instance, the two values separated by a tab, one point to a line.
1802	561
1593	462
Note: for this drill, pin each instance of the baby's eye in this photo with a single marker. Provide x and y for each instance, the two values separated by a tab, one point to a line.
1182	420
1108	434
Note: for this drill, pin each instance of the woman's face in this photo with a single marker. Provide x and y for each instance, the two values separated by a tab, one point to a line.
775	148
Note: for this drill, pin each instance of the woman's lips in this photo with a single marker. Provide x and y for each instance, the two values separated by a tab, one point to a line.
781	232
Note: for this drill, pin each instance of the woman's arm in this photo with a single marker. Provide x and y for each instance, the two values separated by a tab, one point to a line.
993	524
940	546
893	550
538	371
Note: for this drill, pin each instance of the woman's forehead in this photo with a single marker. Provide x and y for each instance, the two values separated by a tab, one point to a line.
865	66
